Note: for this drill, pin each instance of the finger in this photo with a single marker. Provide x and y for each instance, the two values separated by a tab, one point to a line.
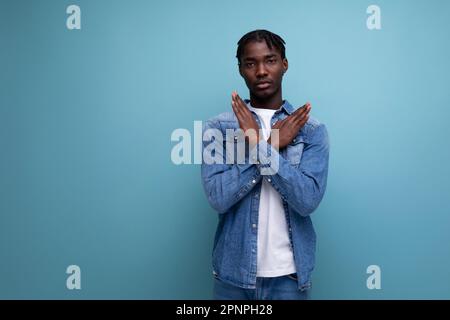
296	122
239	99
279	123
301	115
303	122
236	99
233	99
238	105
306	105
276	126
301	111
305	111
237	111
234	108
242	105
301	118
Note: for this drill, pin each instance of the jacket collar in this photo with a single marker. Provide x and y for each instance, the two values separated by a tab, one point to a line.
286	106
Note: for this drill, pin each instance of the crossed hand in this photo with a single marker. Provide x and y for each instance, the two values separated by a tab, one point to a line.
288	127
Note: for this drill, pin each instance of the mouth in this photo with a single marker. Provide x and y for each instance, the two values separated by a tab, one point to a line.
263	85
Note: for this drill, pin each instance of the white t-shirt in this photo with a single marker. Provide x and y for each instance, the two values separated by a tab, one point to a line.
275	257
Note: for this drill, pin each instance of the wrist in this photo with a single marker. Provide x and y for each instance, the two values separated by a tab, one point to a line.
273	144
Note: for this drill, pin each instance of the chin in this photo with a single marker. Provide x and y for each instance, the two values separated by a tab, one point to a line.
262	94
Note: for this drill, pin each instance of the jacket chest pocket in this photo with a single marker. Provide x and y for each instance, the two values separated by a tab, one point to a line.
294	150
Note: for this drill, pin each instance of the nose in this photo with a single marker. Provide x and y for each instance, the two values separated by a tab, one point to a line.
261	71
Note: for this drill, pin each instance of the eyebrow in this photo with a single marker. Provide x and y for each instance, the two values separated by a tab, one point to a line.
265	57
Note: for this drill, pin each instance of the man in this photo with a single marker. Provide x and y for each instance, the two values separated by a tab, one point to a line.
264	245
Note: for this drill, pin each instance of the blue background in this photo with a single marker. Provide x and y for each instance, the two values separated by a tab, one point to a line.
86	118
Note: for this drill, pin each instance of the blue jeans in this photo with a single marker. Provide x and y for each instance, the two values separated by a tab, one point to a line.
277	288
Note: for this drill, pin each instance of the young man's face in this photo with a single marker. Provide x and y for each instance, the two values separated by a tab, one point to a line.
262	69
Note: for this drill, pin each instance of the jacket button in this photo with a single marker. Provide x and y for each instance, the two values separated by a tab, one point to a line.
253	181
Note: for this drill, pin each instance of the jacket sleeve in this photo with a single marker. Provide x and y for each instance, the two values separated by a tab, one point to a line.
224	184
301	187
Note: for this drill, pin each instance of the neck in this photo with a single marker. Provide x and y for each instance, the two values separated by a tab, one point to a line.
274	102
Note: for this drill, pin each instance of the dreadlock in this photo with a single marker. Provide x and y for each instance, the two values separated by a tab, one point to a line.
272	40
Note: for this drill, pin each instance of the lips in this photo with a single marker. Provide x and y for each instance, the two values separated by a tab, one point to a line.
263	85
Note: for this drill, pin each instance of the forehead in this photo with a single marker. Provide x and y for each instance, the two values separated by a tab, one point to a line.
258	49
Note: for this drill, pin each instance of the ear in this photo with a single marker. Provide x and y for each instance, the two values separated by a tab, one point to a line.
285	65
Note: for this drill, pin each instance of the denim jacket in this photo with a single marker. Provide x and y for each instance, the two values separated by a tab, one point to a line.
233	190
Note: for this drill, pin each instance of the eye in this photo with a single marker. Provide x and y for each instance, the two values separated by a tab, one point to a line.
271	61
249	64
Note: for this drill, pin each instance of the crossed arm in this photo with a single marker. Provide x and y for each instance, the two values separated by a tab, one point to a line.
301	187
